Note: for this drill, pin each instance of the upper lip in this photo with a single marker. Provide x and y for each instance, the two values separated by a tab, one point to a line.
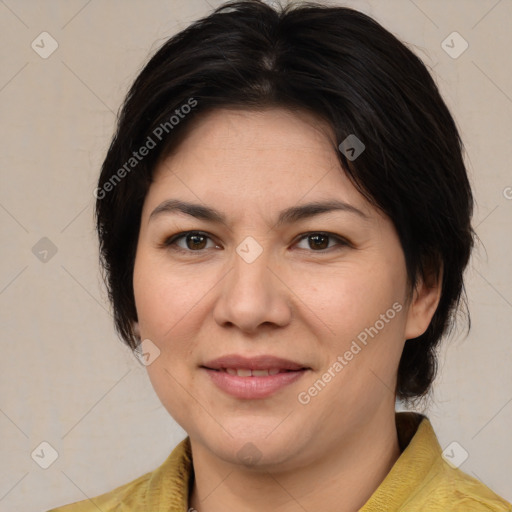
263	362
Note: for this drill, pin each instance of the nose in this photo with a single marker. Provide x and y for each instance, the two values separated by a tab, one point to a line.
252	295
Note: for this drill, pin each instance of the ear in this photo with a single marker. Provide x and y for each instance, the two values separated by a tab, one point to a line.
423	305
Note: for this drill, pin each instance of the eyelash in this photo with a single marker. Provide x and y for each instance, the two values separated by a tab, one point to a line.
170	243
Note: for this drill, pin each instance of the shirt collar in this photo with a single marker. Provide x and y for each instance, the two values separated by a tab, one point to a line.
420	452
169	485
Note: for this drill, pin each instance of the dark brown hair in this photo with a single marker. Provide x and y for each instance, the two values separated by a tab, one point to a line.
348	70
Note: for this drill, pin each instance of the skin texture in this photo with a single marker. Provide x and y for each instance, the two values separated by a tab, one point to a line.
298	300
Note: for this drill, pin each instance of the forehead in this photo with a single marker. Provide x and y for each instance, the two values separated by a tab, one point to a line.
255	158
223	125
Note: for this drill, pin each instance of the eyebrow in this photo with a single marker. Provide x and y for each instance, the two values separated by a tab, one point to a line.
287	216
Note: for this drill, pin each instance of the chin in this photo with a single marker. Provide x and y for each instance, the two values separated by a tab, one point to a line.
267	445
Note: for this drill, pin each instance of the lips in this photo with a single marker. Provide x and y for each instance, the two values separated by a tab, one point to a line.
264	362
252	378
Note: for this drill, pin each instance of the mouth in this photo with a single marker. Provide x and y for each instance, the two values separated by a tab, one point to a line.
246	372
264	363
253	378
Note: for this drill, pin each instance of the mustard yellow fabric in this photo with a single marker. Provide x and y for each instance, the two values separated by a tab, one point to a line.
419	481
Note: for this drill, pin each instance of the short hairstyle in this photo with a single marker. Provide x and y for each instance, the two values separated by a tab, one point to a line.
345	68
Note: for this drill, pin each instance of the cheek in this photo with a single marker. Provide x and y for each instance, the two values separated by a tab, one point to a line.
168	305
364	308
171	386
351	299
165	297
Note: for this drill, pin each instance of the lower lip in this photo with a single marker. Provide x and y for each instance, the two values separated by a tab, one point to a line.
253	387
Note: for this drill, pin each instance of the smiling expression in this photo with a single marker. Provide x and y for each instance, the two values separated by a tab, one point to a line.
258	264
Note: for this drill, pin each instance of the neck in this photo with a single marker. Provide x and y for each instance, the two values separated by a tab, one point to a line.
342	481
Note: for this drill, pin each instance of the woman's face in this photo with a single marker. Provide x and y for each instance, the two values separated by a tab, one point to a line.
313	300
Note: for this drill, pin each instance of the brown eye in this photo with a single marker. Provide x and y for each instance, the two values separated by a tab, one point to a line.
320	241
189	241
195	241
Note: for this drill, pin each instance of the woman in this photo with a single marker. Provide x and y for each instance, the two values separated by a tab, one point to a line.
284	221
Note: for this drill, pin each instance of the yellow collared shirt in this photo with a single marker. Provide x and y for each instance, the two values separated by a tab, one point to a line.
419	481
